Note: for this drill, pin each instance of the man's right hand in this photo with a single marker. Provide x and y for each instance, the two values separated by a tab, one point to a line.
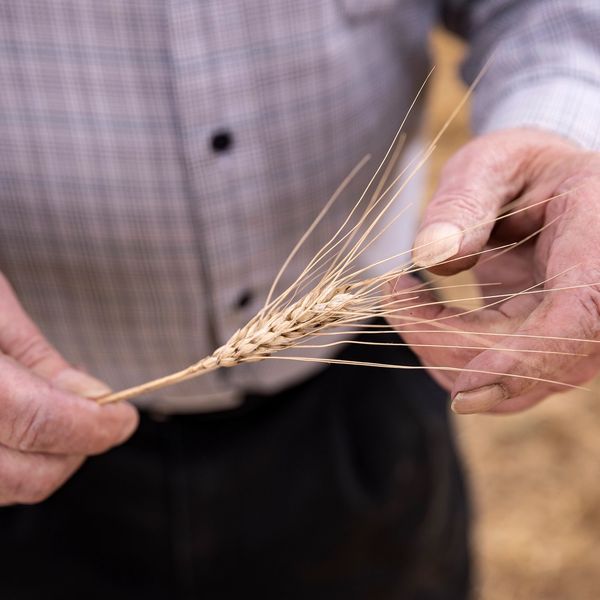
48	425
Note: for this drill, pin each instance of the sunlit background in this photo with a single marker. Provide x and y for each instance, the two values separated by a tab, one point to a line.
535	476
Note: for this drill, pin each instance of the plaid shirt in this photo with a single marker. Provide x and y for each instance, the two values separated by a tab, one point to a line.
158	158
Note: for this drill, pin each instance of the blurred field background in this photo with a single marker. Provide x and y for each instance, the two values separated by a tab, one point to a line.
535	476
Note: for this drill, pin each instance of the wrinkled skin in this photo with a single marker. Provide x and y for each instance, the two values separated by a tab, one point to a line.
47	425
530	166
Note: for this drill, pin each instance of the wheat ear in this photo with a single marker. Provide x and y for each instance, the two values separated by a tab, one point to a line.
331	296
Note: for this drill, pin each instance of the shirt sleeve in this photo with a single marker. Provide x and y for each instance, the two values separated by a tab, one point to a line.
545	64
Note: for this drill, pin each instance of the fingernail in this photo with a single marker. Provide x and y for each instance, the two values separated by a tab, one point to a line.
436	243
71	380
478	400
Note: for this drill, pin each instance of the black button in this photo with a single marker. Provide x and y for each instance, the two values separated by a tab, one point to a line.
221	141
244	299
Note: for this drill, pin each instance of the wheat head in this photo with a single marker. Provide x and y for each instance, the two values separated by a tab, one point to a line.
333	296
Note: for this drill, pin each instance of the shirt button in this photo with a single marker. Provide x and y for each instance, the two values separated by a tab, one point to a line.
221	141
244	299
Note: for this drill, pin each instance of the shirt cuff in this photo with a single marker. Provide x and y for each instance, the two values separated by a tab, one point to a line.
567	106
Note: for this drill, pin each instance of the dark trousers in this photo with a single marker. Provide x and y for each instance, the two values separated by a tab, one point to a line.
346	486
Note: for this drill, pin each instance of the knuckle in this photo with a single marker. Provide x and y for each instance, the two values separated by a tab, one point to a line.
470	203
34	425
31	350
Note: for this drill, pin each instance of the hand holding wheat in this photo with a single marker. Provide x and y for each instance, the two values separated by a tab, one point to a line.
560	248
46	427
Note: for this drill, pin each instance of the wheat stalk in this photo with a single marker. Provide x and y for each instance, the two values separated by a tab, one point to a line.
331	296
339	299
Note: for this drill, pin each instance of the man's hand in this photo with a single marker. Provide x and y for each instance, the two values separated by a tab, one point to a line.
530	166
47	427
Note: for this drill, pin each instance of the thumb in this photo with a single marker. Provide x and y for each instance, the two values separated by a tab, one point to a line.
22	340
475	183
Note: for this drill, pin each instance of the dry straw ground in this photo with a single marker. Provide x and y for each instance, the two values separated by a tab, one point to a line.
535	476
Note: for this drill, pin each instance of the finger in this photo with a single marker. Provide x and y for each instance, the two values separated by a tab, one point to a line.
514	405
411	302
583	371
572	314
37	417
420	315
506	271
447	339
21	339
31	478
475	183
434	329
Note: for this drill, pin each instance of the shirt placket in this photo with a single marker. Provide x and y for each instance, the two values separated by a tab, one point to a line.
204	108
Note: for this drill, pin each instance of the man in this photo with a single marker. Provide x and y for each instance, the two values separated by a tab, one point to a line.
157	160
